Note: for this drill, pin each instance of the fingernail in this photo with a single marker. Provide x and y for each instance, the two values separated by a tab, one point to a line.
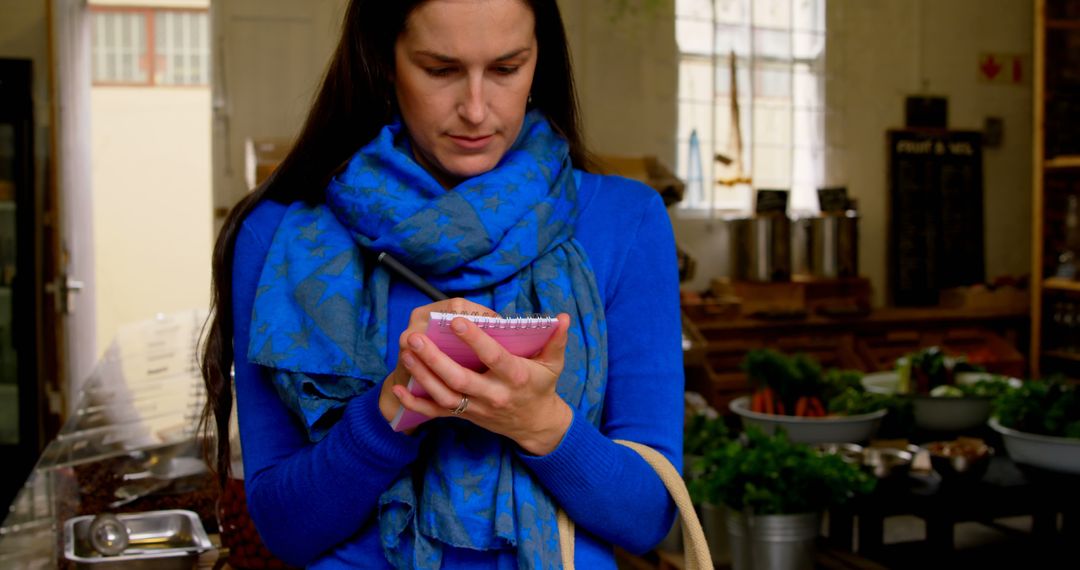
415	342
408	360
459	326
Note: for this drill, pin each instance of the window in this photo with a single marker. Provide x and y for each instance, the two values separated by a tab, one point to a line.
148	46
774	53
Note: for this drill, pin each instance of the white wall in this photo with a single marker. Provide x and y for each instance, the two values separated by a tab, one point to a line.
152	203
880	52
885	61
626	72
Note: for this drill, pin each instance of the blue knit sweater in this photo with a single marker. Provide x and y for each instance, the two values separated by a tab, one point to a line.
316	505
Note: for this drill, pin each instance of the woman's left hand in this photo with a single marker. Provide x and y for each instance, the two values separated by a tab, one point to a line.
515	397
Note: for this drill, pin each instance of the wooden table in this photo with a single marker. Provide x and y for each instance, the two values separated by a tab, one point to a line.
1005	490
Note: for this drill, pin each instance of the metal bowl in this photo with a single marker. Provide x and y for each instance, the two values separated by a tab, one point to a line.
888	462
849	452
828	429
950	414
953	464
1061	454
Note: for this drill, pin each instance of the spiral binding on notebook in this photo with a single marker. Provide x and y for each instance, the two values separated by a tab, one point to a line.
516	321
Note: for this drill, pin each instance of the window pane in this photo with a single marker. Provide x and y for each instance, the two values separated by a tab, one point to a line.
695	80
772	167
772	81
772	14
779	49
809	128
742	78
699	9
736	12
733	39
772	44
808	45
694	36
202	62
140	72
809	91
809	15
694	116
183	47
118	47
772	124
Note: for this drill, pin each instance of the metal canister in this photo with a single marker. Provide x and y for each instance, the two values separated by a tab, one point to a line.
834	245
761	248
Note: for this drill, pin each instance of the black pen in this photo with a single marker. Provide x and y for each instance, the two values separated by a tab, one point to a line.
414	279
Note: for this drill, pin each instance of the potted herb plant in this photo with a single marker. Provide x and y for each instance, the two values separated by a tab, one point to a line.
703	434
775	491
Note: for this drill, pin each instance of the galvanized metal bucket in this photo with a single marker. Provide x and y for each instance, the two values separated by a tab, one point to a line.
713	524
772	542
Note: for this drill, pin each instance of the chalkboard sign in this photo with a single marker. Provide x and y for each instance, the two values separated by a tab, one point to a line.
771	201
832	199
936	213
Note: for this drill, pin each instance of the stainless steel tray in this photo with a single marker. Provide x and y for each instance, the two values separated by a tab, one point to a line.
157	539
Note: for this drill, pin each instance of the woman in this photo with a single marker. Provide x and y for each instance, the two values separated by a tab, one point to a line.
445	133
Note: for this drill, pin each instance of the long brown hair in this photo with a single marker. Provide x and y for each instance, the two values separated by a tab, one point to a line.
354	101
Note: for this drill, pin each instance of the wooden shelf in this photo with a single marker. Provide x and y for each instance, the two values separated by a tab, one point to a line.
1061	284
1062	162
1057	24
1054	31
1062	355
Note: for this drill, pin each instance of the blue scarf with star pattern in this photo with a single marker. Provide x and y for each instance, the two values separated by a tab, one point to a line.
503	239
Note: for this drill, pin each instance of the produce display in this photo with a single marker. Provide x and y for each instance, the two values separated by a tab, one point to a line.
797	386
769	474
1047	407
932	372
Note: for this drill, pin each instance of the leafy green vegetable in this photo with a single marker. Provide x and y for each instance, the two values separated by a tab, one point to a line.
928	368
789	377
771	475
1048	407
852	401
947	391
836	382
702	434
992	387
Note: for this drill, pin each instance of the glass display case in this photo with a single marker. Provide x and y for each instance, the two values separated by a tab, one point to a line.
136	414
19	421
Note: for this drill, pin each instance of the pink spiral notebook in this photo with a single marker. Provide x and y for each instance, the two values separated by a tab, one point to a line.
520	335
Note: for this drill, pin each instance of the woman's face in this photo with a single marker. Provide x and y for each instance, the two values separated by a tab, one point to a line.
463	71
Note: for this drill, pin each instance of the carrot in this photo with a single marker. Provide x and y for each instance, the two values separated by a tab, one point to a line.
815	407
767	397
756	403
801	406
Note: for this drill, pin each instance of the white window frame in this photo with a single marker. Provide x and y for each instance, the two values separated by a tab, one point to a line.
154	37
742	28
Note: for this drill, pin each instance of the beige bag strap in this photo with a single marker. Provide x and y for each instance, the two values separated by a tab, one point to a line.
696	550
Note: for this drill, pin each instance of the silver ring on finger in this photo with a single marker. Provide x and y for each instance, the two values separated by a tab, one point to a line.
461	407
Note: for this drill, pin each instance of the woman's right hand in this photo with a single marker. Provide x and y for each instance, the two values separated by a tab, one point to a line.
389	404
